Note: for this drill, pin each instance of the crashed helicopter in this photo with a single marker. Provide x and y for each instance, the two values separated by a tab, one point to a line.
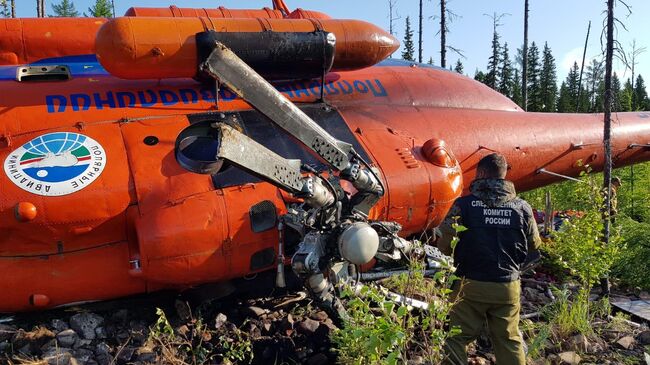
174	147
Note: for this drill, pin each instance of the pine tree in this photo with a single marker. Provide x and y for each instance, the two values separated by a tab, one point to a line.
101	9
616	93
640	98
459	67
569	91
533	86
564	104
548	81
492	76
430	61
505	82
516	87
479	76
595	85
409	49
4	9
627	94
65	9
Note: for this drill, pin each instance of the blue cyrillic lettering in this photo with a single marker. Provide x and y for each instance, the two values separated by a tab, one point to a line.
121	96
109	101
380	91
193	96
60	100
80	99
168	97
143	98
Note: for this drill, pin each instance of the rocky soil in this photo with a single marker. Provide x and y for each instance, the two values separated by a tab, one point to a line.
280	328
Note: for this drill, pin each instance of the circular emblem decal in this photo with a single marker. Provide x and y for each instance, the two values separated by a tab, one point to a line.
56	163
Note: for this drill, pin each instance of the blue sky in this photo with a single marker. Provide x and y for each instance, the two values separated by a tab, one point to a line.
562	24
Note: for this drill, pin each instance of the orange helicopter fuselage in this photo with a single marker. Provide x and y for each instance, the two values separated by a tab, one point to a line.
135	221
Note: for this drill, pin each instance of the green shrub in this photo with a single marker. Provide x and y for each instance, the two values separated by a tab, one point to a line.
380	331
631	267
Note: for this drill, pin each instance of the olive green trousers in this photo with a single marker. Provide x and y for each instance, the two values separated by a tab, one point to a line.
502	317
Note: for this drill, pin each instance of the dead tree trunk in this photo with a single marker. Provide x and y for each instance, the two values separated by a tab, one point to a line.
524	57
582	67
607	131
38	8
443	35
13	8
420	35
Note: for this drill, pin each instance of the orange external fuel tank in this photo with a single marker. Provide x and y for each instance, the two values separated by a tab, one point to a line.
26	40
222	12
157	48
34	39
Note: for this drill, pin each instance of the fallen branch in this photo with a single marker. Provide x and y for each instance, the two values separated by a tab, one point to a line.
628	322
530	315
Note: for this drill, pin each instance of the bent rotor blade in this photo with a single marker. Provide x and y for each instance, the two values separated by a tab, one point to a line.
227	68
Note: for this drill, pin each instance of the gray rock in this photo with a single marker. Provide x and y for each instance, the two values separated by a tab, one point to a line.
220	320
58	325
644	338
49	344
569	357
103	354
578	343
126	354
57	356
626	342
6	332
85	324
83	356
102	348
82	343
319	316
67	338
308	326
101	333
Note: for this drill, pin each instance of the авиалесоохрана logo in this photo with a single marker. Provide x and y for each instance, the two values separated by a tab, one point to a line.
56	163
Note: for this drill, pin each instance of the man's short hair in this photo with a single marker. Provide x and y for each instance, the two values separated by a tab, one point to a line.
493	166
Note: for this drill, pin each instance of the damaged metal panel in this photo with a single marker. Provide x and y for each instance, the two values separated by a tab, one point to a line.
639	308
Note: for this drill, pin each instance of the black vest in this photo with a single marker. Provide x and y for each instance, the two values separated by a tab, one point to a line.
494	244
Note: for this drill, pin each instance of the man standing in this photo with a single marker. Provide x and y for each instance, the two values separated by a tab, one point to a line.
501	233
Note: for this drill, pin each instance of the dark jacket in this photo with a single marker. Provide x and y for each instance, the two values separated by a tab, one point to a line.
501	230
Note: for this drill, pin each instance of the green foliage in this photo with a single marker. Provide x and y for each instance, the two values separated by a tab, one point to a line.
409	48
548	81
4	9
380	331
65	9
640	96
195	344
533	87
506	82
579	244
631	268
374	332
492	76
516	88
595	83
459	67
101	9
567	317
